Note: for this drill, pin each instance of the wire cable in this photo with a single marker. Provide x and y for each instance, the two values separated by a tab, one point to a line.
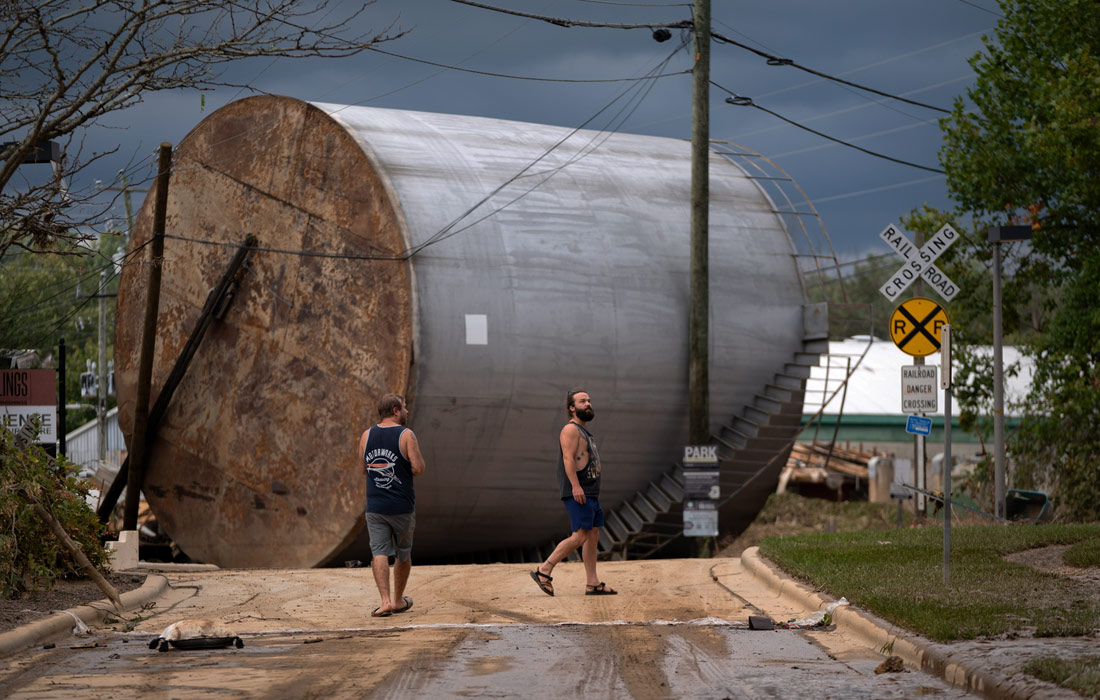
562	22
523	77
881	188
742	101
774	60
452	229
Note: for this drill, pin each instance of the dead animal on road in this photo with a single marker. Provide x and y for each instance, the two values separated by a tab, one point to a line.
196	634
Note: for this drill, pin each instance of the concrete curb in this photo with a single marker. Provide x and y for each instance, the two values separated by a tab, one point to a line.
887	638
61	624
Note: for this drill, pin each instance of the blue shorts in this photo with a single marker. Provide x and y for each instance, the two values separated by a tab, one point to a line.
584	516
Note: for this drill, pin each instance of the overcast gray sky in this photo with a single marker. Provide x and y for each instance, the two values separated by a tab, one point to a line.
913	48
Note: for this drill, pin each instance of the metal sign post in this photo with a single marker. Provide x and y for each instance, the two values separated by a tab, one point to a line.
918	267
945	363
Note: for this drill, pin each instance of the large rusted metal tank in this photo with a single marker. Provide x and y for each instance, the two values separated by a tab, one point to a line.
480	267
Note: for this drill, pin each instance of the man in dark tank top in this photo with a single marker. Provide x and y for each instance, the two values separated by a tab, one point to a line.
579	486
391	459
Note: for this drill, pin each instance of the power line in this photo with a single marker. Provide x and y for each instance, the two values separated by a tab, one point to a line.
69	285
853	108
774	60
742	101
450	229
562	22
638	4
522	77
894	186
983	9
884	61
884	132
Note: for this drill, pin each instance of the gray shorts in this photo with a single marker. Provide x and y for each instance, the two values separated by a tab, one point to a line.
391	535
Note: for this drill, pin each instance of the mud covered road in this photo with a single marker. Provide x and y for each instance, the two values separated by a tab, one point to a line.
678	629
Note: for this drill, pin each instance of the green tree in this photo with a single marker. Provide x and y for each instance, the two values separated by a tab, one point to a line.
45	297
64	65
1028	150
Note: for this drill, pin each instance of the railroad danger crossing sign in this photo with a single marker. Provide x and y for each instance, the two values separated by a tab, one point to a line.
915	326
918	263
920	392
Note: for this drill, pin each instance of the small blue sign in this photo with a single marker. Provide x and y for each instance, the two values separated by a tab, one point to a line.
918	425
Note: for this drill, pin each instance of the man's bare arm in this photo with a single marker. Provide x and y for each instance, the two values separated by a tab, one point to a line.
411	447
363	447
572	454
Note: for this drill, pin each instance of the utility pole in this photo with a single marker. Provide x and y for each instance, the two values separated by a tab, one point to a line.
101	369
699	323
126	190
998	235
138	448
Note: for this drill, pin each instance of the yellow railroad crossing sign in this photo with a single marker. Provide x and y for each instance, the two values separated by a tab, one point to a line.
915	326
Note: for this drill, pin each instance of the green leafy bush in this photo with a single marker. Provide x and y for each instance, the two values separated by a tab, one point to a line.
31	556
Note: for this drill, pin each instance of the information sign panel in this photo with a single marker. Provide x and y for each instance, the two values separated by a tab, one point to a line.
918	425
919	390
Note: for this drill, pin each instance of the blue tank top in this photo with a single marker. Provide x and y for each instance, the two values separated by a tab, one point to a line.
389	474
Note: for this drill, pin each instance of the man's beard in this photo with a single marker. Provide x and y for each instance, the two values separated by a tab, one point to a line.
586	414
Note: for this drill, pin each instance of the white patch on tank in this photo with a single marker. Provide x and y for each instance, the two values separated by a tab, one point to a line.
477	329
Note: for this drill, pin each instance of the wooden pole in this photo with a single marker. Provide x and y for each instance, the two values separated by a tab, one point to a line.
138	447
698	324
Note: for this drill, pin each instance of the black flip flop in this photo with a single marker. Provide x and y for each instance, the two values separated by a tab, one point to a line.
408	604
541	580
378	612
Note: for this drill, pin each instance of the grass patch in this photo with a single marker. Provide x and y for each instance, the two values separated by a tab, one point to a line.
1081	674
898	575
1083	554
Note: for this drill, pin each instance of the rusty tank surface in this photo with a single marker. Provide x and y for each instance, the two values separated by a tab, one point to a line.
480	267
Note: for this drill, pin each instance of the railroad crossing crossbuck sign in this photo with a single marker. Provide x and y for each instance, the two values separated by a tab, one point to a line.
915	326
918	263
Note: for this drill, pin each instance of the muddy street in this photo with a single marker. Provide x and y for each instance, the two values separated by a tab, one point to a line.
678	629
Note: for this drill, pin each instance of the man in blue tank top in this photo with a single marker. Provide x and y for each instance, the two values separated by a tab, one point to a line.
391	458
579	484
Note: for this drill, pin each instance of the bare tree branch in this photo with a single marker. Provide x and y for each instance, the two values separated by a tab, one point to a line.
66	64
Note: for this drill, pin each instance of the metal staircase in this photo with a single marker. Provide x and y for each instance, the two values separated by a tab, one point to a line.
753	448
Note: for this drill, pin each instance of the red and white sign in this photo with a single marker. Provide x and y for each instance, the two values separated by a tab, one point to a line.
27	392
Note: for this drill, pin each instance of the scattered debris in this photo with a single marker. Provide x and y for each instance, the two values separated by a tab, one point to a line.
825	464
312	640
759	622
85	645
819	618
894	664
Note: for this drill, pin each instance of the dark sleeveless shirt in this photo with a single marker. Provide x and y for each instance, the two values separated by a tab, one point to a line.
589	476
389	474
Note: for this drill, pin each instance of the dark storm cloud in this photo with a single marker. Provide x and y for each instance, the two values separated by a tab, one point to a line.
854	39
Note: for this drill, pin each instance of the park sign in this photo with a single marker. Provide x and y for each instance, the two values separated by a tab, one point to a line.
918	262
